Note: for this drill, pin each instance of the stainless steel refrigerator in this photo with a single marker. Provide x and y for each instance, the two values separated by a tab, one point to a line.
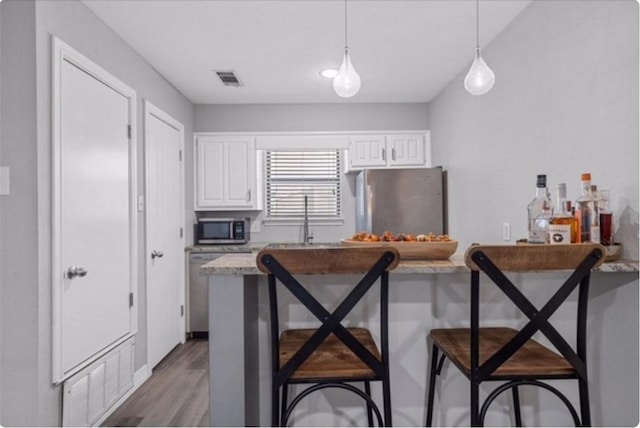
401	201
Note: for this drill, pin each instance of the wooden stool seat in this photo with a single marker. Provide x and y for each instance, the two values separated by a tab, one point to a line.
532	360
332	359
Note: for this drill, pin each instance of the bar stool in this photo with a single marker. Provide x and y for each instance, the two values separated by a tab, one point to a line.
506	354
331	355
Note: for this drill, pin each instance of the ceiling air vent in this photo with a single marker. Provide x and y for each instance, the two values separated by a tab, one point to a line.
228	78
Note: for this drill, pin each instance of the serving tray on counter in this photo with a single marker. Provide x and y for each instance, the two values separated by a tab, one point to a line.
414	250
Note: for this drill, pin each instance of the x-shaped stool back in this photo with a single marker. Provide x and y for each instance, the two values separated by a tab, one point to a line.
373	262
494	261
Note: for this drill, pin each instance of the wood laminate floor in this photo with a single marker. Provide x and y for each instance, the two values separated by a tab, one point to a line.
176	394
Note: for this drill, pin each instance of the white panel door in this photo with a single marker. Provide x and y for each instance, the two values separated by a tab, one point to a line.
165	243
94	227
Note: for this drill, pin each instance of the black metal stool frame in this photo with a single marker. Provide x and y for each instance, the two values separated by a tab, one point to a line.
331	323
538	321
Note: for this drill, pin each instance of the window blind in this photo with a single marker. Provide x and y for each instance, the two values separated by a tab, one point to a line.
292	175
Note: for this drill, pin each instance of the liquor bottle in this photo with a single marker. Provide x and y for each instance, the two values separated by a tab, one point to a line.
540	212
588	221
564	226
605	216
596	216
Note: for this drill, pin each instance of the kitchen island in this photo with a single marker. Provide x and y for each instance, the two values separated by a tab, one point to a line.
423	295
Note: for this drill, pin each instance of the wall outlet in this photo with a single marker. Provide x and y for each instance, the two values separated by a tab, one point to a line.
506	231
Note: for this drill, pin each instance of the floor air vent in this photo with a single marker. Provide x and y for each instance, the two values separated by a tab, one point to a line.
228	78
89	394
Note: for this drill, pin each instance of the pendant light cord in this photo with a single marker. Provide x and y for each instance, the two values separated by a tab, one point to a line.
346	46
477	23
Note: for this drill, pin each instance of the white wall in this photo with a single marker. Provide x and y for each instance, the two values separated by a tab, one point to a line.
310	117
565	102
18	224
307	118
28	397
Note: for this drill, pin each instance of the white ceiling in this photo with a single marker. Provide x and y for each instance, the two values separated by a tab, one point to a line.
404	50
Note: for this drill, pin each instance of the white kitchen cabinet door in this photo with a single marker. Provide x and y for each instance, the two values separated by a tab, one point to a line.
225	172
367	151
164	139
210	172
406	150
239	179
94	217
386	150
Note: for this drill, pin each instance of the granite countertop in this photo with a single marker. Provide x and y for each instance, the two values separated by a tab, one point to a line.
245	264
226	248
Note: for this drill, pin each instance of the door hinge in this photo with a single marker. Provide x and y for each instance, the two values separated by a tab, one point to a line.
131	300
129	131
181	310
181	232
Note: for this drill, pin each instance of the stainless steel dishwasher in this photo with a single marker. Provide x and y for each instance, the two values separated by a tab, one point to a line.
198	289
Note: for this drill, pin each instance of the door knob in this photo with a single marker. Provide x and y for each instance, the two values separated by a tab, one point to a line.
156	254
74	271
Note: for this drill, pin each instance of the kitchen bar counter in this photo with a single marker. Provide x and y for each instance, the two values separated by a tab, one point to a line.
424	295
245	264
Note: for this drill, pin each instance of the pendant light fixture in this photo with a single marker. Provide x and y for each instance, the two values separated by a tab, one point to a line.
347	82
480	78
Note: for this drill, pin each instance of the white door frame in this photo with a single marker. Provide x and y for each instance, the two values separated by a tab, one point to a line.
152	110
63	52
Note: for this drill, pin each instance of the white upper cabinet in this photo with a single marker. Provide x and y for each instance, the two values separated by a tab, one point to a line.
225	172
389	150
406	150
367	151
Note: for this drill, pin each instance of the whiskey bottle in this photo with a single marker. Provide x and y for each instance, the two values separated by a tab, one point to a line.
594	230
605	216
540	212
564	226
586	209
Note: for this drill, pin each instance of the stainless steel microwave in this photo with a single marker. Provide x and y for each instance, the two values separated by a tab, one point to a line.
222	231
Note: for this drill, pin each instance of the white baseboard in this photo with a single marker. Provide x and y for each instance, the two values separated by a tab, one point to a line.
139	377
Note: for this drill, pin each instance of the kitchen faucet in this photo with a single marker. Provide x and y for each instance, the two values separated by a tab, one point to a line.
307	236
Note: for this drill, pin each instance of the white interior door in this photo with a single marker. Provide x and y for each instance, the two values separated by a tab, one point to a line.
94	225
164	139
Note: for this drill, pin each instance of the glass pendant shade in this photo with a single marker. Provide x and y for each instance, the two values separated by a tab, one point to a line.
347	82
480	78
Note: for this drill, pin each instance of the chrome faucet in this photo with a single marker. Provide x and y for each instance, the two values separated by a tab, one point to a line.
307	236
